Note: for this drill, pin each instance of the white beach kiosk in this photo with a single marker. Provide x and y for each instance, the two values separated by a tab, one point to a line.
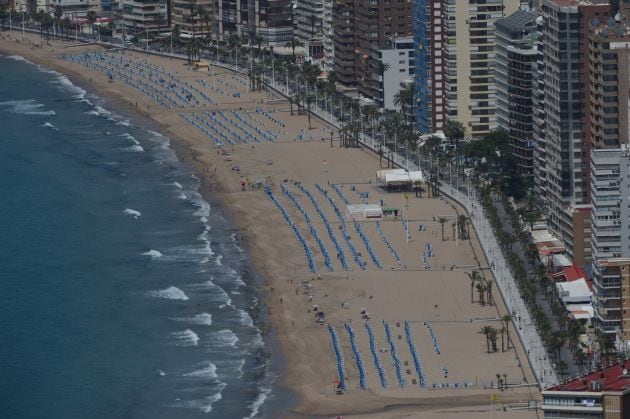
398	179
364	212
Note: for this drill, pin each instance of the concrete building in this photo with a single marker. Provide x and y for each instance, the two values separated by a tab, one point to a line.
601	394
144	16
514	77
607	127
270	19
362	28
428	32
308	16
328	35
469	40
186	14
564	58
399	57
538	117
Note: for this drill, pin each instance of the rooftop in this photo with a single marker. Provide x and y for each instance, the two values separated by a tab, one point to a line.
614	378
521	22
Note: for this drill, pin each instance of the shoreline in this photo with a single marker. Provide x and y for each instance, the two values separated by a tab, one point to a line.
214	187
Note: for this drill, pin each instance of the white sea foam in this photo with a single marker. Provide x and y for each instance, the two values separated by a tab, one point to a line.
244	318
49	125
220	293
134	213
68	85
224	337
204	405
25	107
129	137
202	319
258	402
161	373
123	123
134	148
155	254
186	338
19	58
207	370
177	185
218	260
170	293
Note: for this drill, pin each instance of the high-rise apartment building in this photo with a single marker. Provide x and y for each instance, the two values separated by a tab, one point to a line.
607	127
514	78
141	17
308	16
428	37
270	19
398	59
469	53
328	35
187	14
565	23
362	27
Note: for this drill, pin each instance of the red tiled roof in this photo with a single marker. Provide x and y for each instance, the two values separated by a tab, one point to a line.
612	377
573	273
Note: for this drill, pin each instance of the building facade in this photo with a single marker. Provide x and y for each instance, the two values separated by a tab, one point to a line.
399	60
607	130
514	77
328	35
362	28
469	41
565	150
142	17
189	16
428	33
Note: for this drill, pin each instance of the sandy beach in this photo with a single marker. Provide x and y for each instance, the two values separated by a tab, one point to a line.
359	278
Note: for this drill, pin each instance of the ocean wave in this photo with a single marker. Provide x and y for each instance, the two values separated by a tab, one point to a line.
130	137
186	338
207	370
134	149
255	405
155	254
25	107
224	337
202	319
210	286
49	125
134	213
218	260
19	58
177	185
98	111
204	405
170	293
66	84
244	318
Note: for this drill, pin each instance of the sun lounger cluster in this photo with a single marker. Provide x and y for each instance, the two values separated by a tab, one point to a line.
235	92
304	135
393	350
256	130
341	367
346	235
414	354
296	230
356	354
464	384
359	230
375	357
331	234
381	234
267	115
311	227
197	122
213	87
426	255
436	344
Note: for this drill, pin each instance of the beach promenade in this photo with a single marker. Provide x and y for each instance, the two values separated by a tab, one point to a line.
382	311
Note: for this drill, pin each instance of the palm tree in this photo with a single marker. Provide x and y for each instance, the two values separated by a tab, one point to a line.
442	221
492	335
4	14
486	331
481	289
404	99
499	381
91	17
475	277
488	286
294	43
502	330
309	101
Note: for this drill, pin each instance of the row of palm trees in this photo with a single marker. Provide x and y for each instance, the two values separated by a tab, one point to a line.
491	334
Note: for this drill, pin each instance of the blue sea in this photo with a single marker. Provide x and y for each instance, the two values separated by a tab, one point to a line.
123	294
